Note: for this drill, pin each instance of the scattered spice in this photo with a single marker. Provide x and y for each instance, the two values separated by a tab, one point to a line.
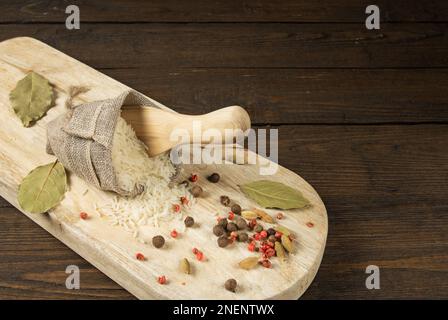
231	215
185	266
263	234
214	178
193	177
258	228
272	239
266	263
248	263
174	233
263	216
279	250
195	250
176	207
185	183
249	215
200	255
222	222
230	285
184	200
218	230
161	280
84	215
189	221
251	246
223	242
196	191
236	209
158	241
271	231
280	216
278	235
310	224
139	256
225	200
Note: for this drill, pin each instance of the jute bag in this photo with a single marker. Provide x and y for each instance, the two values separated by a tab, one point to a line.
82	139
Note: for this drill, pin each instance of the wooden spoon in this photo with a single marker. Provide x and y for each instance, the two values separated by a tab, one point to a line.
154	126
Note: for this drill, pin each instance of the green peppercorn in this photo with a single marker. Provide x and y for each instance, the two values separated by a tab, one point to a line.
230	285
236	209
158	241
258	228
189	221
218	230
223	241
214	178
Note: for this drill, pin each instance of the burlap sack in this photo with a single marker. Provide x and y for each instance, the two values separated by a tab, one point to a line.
82	139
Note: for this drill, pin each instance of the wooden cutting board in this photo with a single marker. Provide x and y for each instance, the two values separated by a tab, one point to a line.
111	248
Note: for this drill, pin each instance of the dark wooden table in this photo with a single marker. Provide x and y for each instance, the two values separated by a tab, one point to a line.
362	115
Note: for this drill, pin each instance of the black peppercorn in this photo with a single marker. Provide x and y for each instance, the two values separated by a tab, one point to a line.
214	177
196	191
271	231
158	241
225	200
230	285
218	230
236	209
189	221
241	224
258	228
223	241
242	237
231	227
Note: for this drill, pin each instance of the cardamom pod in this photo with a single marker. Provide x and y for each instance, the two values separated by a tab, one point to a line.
249	215
264	216
287	244
280	251
248	263
185	266
283	230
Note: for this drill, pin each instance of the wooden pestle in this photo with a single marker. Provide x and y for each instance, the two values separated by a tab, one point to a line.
154	126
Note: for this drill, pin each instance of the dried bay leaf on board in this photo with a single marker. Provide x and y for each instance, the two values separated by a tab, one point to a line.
43	188
271	194
31	98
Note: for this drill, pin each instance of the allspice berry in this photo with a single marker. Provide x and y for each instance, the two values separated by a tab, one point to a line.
241	224
242	237
158	241
218	230
230	285
231	227
225	200
223	241
236	209
214	178
196	191
223	222
189	221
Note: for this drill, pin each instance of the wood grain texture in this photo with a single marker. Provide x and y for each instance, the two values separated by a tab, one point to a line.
223	11
385	191
300	96
112	249
273	45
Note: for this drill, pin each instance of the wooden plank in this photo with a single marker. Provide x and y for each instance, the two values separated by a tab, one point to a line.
384	187
246	45
292	96
223	11
111	248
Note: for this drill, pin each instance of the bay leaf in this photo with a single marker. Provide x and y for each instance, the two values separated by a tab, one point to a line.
31	98
271	194
43	188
